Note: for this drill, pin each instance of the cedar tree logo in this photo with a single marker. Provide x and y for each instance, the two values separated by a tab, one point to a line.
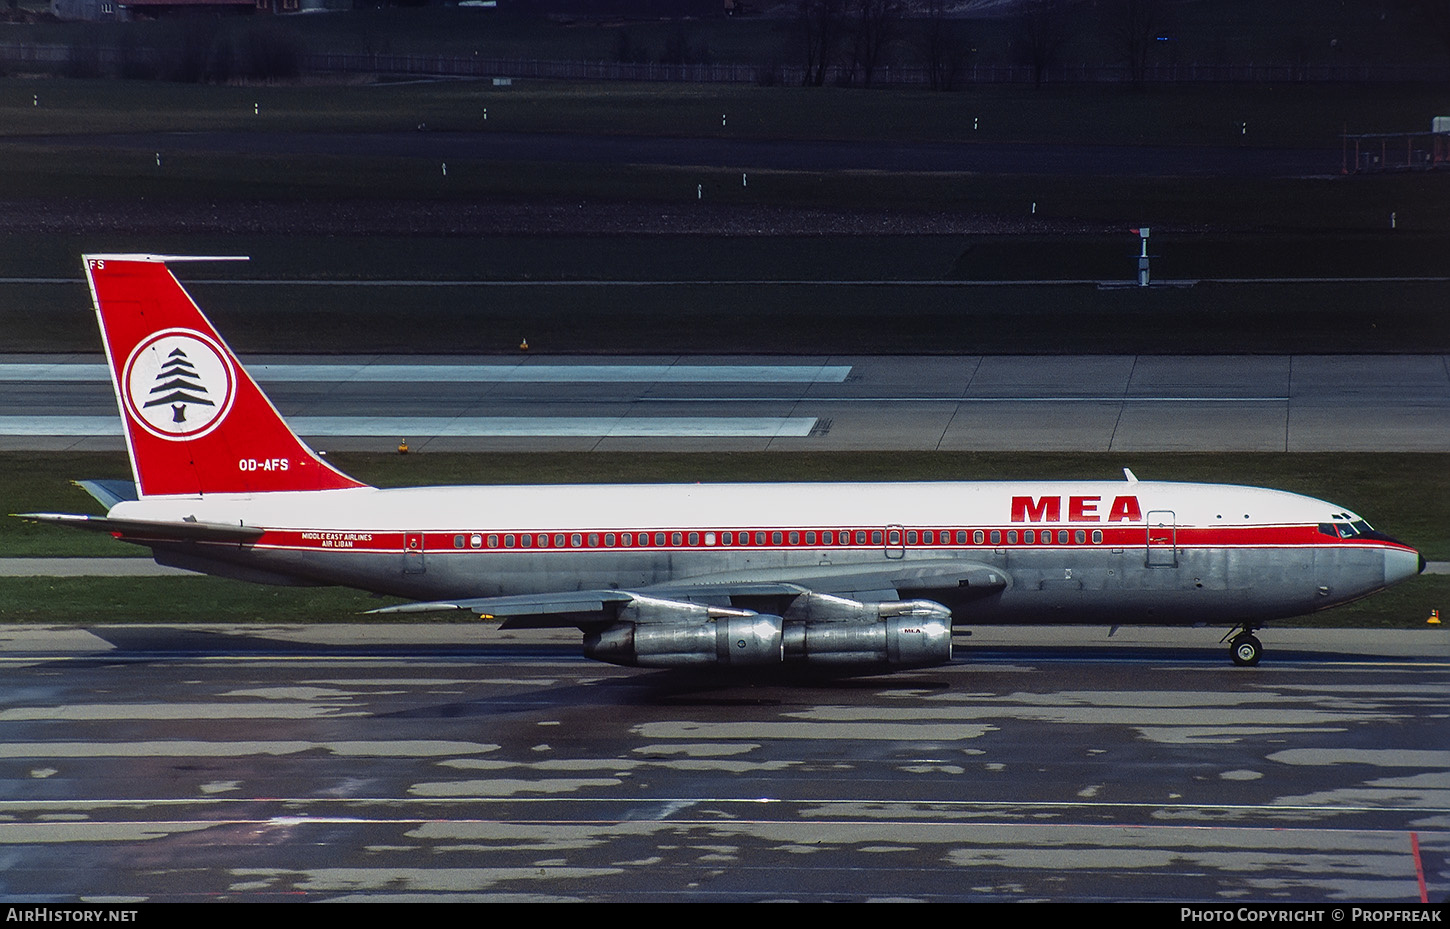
178	384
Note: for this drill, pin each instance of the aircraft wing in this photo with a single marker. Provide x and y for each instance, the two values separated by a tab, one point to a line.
532	611
147	530
757	593
899	581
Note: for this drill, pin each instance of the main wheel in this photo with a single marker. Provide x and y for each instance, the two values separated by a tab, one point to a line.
1246	650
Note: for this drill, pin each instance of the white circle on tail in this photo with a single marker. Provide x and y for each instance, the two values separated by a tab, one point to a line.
178	384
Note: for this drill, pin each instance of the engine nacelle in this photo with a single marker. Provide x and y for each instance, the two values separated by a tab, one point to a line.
733	640
670	634
909	634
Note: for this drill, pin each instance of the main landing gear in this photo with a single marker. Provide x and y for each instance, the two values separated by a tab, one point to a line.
1245	647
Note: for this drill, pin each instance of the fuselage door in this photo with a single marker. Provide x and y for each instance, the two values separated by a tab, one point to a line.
413	553
1162	539
895	542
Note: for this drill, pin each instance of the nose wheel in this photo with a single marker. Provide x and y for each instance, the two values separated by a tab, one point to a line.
1246	649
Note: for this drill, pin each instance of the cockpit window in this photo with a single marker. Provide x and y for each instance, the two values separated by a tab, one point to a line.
1345	530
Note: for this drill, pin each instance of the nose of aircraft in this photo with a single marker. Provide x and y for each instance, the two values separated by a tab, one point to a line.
1401	563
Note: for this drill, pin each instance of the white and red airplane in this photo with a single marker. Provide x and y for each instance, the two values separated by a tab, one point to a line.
836	576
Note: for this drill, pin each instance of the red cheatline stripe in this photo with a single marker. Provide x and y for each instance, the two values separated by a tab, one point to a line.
842	538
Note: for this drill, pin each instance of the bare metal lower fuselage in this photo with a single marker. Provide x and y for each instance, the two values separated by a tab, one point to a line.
1193	585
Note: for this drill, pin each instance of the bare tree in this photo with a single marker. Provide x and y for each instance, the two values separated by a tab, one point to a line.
876	23
820	25
1040	35
941	45
1135	30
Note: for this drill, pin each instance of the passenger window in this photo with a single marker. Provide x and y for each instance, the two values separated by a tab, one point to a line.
1011	536
978	538
1029	536
475	541
458	541
1080	536
1097	536
674	538
996	536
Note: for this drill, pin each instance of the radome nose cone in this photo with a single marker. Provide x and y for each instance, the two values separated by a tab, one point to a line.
1402	563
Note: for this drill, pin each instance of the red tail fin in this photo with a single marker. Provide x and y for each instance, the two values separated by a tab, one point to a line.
196	422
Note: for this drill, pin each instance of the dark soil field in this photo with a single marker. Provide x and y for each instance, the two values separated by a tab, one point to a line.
755	259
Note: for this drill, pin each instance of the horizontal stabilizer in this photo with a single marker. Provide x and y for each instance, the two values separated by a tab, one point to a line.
108	493
145	530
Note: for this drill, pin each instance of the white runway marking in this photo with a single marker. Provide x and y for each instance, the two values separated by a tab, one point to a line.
519	372
401	426
1066	399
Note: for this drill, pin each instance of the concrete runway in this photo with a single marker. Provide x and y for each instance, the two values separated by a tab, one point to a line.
1120	403
403	763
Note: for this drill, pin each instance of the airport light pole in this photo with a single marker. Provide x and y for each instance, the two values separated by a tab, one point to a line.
1143	257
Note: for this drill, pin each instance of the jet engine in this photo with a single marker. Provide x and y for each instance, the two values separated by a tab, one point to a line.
672	634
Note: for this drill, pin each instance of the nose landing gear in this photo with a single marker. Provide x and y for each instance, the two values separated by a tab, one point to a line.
1245	648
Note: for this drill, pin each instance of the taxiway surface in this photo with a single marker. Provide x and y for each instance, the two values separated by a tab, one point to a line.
1298	403
442	762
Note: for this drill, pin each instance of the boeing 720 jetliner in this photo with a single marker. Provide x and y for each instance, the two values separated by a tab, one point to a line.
842	577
